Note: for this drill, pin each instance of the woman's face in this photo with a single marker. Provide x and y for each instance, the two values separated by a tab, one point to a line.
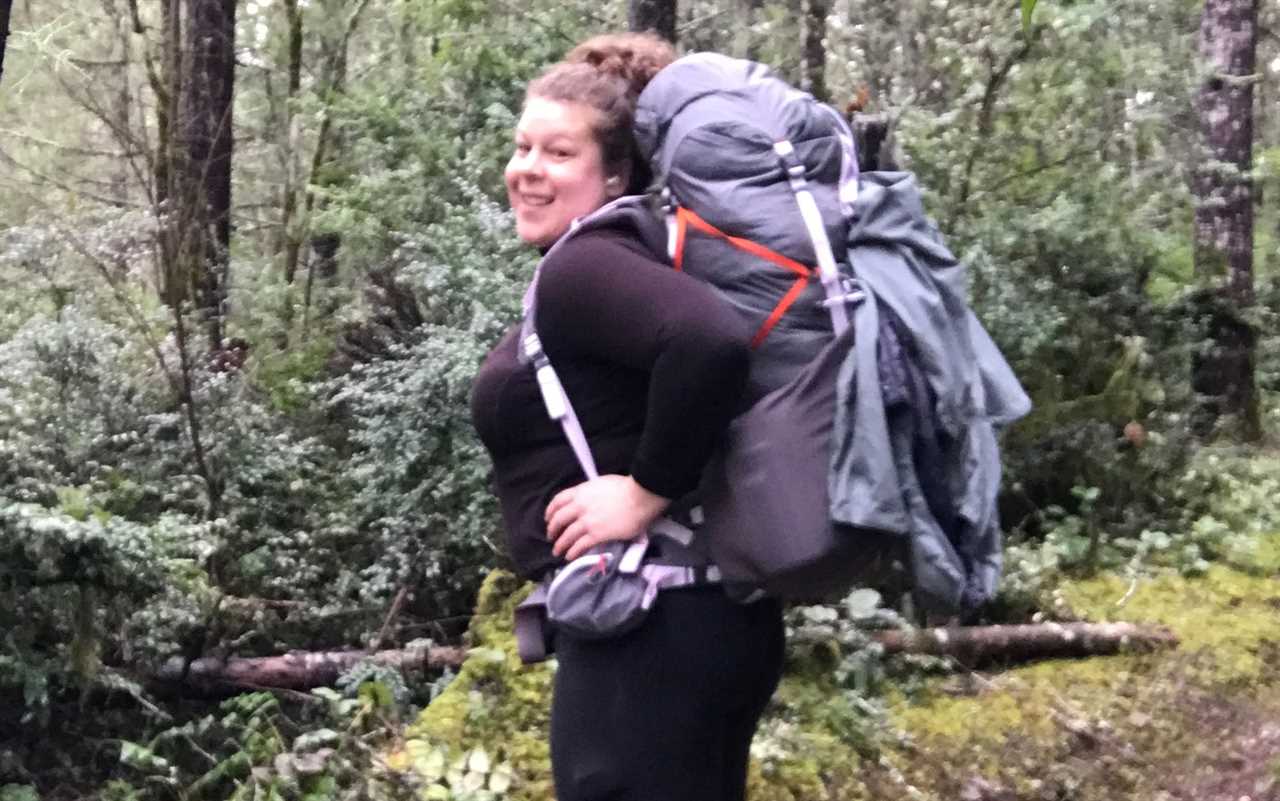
557	172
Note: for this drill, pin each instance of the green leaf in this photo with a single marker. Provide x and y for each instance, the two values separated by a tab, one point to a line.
862	603
315	740
427	760
377	694
473	782
501	778
142	758
18	792
478	761
1027	7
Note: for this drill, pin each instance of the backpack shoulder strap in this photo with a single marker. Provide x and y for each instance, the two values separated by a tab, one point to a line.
630	211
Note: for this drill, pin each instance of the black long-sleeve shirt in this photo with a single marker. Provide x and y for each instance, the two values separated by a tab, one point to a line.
654	362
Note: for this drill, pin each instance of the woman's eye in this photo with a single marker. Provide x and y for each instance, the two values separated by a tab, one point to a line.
522	148
561	153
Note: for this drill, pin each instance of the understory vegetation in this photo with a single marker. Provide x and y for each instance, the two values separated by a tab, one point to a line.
308	478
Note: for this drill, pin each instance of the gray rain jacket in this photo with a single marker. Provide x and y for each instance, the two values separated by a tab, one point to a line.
893	456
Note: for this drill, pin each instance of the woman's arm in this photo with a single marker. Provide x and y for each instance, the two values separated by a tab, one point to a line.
599	297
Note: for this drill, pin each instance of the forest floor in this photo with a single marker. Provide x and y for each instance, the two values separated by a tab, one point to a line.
1197	723
1200	722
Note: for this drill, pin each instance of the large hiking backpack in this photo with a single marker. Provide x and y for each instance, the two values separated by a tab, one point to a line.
868	453
758	180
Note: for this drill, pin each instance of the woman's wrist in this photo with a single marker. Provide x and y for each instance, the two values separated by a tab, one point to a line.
651	504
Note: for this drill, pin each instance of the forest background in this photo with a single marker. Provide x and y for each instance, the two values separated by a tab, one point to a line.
252	253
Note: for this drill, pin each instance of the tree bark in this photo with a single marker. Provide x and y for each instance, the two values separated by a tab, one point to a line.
745	43
292	237
299	670
205	199
658	16
986	644
324	244
873	142
997	73
5	7
814	71
1222	371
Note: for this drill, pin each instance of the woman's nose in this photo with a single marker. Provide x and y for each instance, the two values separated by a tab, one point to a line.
529	162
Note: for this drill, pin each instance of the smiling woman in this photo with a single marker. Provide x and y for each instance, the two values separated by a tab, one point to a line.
557	172
656	363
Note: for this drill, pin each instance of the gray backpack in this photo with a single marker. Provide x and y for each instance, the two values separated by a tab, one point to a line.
867	455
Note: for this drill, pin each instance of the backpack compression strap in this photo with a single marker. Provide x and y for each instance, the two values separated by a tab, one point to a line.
685	217
839	290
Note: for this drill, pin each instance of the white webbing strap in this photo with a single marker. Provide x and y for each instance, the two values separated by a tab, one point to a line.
561	410
673	226
666	527
827	270
665	577
558	406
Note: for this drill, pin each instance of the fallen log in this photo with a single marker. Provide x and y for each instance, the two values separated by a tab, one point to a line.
304	670
973	645
296	670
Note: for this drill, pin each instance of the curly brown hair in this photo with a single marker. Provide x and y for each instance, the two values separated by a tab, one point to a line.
608	73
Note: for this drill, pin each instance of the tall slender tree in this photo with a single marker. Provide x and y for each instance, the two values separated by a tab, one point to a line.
204	200
5	6
814	72
1223	368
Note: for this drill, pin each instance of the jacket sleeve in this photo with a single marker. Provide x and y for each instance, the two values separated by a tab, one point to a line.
600	297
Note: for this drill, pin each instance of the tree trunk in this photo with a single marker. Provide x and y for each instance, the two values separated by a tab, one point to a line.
205	200
322	265
1222	372
986	644
745	43
290	224
658	16
166	84
301	670
325	244
998	72
123	106
873	142
292	236
5	6
814	71
294	671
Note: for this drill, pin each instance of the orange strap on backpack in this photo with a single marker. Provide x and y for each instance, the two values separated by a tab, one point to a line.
685	218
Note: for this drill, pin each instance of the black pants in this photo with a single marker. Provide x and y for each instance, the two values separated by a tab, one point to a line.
667	712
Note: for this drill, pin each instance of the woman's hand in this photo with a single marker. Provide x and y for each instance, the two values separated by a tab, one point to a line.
604	509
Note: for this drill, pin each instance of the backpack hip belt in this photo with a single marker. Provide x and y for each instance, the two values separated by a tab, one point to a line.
606	592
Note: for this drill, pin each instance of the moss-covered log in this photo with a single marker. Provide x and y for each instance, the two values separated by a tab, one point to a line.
299	670
986	644
303	670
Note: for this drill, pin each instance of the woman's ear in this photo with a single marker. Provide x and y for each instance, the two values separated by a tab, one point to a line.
613	186
616	185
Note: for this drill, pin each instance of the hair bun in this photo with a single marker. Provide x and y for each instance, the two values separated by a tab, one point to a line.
633	57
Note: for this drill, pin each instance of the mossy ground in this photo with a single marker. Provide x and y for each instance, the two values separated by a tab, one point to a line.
495	703
1201	722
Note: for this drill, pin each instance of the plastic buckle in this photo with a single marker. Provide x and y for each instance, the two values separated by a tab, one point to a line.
532	347
851	293
668	200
